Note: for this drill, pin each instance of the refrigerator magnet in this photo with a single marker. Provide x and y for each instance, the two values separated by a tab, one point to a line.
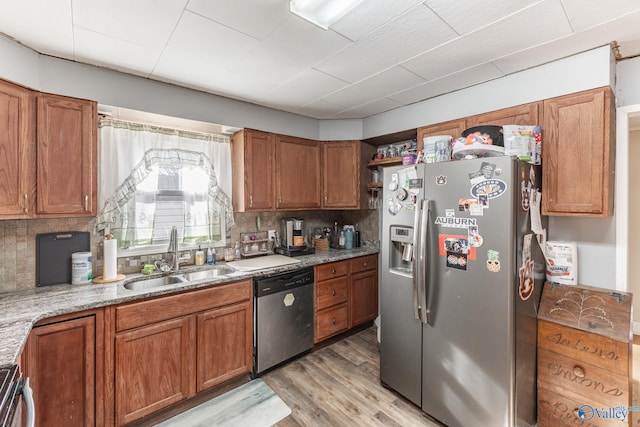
493	261
457	260
527	282
475	239
441	180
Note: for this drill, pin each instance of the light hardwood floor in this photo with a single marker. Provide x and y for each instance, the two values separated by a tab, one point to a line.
339	386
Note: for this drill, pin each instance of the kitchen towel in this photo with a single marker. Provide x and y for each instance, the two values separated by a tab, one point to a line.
110	261
253	404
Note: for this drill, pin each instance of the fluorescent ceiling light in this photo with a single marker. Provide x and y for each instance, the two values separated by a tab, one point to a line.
322	13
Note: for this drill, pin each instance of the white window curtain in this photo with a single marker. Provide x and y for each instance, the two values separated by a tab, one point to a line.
130	152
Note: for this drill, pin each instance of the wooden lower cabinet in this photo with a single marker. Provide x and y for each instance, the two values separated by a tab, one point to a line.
63	361
346	295
168	349
224	346
154	366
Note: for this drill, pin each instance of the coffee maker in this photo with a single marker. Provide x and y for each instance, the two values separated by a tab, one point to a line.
294	238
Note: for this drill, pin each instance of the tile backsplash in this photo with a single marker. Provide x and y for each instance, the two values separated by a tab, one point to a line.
18	239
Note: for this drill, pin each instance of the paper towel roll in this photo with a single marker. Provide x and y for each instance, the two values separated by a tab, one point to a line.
110	262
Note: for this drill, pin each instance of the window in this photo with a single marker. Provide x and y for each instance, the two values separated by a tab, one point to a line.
167	186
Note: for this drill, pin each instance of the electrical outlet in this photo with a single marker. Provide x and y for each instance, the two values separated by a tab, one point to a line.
271	234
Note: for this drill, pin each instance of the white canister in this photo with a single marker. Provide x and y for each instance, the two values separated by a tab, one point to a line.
81	268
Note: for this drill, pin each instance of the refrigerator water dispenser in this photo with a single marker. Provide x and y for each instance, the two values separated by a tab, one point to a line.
401	253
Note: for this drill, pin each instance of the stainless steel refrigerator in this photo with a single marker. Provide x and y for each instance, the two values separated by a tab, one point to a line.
461	278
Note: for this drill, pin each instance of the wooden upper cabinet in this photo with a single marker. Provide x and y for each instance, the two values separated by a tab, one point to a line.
341	175
297	173
66	156
252	154
578	154
17	151
453	128
525	114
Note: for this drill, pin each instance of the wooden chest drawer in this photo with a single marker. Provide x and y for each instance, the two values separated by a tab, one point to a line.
561	411
364	263
331	292
331	270
332	321
158	309
597	350
581	381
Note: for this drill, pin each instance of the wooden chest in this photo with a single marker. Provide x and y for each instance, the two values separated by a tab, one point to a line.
584	356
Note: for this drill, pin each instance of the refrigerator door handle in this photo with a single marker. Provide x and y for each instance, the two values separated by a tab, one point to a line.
424	283
416	261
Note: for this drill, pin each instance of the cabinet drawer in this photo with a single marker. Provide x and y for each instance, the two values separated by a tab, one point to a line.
332	321
331	270
331	292
581	381
364	263
555	410
155	310
597	350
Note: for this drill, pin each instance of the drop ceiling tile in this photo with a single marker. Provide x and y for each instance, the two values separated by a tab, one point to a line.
256	18
495	41
288	51
470	15
460	80
43	26
622	30
369	16
412	33
319	109
304	88
148	23
584	14
198	42
102	50
378	86
366	110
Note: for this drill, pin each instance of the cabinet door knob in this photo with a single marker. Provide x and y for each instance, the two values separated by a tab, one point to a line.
333	271
26	203
333	321
333	293
86	203
250	201
364	264
578	371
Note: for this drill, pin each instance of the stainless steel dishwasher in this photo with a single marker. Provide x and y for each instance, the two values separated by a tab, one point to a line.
283	318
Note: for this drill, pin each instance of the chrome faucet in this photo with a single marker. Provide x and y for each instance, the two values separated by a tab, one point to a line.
173	248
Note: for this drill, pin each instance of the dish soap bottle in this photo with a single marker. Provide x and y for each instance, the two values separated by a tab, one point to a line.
210	257
341	240
199	256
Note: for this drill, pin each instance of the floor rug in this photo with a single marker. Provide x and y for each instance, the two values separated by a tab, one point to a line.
253	404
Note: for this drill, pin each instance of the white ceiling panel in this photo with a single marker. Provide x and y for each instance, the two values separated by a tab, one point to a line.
148	23
624	30
288	51
469	15
304	88
256	18
369	15
494	41
585	14
198	42
378	86
369	109
383	54
44	26
415	31
463	79
110	52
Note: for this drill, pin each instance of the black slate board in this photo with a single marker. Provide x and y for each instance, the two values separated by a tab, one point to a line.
53	255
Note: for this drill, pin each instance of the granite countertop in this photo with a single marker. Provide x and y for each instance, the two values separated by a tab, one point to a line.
20	310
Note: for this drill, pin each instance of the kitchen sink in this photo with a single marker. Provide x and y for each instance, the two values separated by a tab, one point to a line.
211	273
155	282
